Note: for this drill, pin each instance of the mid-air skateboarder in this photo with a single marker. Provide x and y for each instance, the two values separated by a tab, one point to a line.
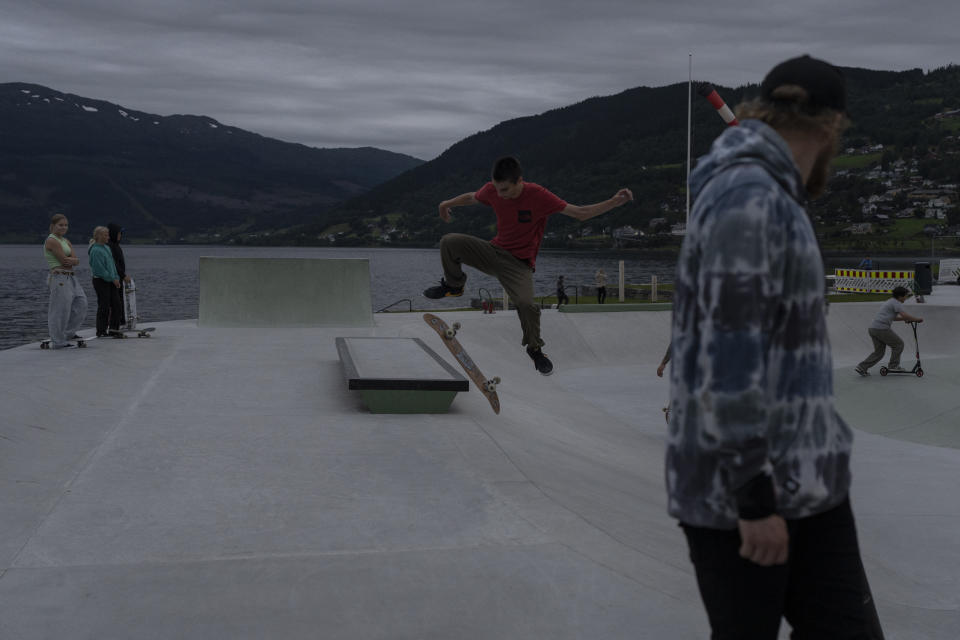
522	209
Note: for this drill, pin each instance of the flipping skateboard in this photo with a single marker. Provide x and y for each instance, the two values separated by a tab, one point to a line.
448	334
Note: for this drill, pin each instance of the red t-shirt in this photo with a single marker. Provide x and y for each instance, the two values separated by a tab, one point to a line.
521	221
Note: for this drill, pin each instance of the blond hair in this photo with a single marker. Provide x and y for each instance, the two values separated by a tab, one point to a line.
789	108
97	231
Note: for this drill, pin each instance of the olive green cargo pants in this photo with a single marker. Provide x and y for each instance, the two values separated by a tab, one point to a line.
516	276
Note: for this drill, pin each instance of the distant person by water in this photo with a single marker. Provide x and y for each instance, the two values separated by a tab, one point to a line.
522	209
601	279
68	302
106	282
562	297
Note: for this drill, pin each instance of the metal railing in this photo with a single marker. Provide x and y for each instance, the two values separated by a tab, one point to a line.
393	304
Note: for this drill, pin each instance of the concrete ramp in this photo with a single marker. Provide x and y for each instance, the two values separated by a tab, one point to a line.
215	482
284	292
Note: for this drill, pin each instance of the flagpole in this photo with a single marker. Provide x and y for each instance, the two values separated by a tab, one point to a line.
689	120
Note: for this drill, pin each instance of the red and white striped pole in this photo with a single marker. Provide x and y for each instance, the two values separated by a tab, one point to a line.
708	92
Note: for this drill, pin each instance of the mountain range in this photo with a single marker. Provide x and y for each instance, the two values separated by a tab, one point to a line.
190	178
166	179
636	139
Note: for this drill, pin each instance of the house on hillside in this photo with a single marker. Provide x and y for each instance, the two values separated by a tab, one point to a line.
860	228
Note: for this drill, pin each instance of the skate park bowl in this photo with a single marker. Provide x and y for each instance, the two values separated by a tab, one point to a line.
284	292
225	483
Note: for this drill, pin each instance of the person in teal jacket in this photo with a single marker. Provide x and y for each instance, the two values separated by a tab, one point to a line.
106	282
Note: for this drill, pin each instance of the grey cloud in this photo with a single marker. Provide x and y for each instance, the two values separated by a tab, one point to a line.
416	76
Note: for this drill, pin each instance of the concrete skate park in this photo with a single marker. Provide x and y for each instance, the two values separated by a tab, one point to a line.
223	482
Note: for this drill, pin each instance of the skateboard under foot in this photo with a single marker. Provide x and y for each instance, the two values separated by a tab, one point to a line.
80	342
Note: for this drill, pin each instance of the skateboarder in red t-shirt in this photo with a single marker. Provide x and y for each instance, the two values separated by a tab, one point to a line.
522	210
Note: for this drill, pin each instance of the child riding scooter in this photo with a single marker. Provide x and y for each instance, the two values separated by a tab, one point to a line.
883	335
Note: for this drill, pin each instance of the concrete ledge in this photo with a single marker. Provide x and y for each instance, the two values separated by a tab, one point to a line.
284	292
399	375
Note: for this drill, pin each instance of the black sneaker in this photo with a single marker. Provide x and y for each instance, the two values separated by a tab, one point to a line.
443	290
540	361
862	372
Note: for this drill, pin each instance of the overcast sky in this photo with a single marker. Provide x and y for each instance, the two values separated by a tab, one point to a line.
416	76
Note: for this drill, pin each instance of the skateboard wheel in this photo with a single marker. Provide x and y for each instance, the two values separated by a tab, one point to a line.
449	333
496	380
44	345
883	371
456	326
919	373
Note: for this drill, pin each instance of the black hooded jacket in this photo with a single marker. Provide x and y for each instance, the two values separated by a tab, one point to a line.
115	249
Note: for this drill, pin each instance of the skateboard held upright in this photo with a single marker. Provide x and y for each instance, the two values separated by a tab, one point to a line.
130	304
130	313
448	334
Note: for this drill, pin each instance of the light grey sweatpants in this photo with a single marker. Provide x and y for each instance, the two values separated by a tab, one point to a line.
68	308
516	276
881	339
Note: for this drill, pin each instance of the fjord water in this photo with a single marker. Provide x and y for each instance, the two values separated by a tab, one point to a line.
168	289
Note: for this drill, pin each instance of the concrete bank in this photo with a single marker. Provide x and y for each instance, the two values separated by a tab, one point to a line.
214	482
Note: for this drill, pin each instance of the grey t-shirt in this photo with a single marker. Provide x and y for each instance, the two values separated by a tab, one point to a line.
888	311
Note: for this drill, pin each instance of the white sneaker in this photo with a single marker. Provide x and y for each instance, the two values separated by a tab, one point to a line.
896	369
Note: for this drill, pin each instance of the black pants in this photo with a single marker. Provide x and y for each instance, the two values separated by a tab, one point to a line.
822	591
562	297
109	306
601	294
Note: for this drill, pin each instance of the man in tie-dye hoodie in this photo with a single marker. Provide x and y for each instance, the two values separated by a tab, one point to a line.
758	460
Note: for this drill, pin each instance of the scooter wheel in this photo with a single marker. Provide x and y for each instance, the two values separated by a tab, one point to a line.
919	373
883	371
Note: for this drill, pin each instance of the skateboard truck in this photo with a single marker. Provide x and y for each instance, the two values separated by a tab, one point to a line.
491	385
451	332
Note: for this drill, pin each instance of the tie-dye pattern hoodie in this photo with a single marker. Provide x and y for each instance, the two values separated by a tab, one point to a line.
753	430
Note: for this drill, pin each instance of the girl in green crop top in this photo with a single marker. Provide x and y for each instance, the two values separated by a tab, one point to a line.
68	302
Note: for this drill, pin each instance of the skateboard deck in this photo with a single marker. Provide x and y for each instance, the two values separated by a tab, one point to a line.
448	335
143	332
80	342
130	304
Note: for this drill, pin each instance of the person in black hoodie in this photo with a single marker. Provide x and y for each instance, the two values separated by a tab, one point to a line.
116	302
